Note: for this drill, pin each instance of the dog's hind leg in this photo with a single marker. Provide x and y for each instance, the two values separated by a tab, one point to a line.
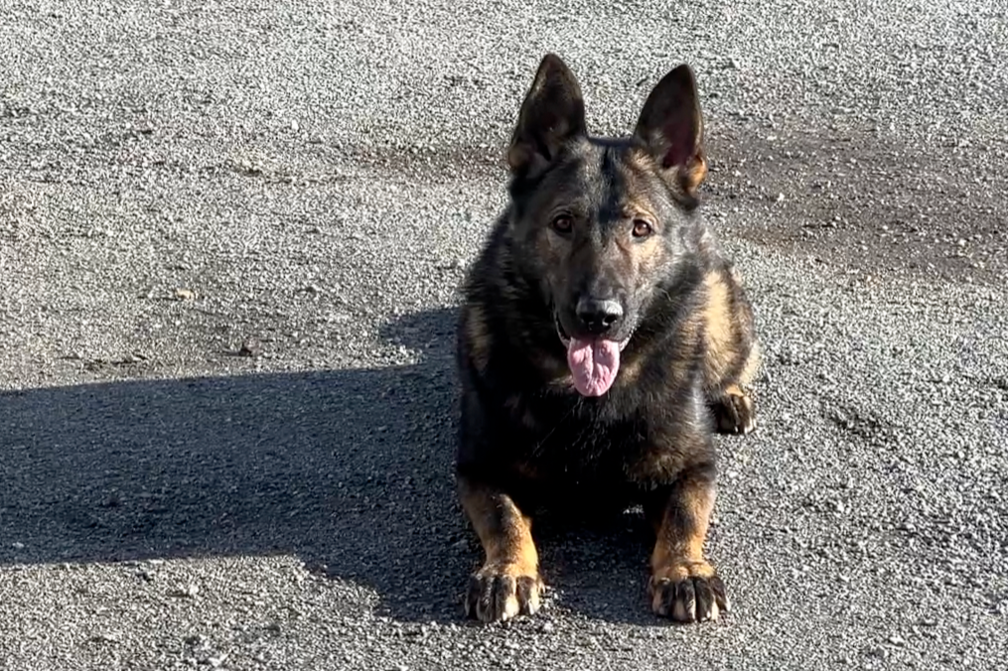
735	407
731	351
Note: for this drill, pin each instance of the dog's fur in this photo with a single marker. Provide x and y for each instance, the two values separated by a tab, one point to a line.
610	221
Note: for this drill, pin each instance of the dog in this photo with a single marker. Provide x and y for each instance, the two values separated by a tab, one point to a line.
602	342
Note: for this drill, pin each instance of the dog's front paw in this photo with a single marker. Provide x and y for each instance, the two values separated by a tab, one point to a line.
735	411
688	592
500	592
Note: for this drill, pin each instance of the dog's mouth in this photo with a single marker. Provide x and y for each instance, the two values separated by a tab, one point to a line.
593	361
566	339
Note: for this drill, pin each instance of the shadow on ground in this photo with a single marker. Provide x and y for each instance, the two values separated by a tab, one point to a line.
351	470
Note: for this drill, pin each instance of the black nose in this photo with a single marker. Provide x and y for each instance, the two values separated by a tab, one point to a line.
599	316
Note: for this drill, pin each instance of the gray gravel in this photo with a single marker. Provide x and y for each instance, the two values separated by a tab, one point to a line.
230	240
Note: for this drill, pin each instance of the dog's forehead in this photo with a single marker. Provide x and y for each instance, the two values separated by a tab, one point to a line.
612	172
599	160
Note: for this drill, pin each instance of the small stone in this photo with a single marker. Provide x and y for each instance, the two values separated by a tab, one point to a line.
547	627
185	294
18	546
896	639
250	347
109	637
217	660
188	592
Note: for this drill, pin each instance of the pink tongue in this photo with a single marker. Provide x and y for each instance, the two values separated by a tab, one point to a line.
594	364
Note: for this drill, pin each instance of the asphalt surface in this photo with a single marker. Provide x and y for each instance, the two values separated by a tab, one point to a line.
230	240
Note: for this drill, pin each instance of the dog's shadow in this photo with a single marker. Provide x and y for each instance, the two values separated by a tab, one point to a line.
350	470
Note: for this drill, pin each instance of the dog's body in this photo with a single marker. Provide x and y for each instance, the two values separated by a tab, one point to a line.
602	341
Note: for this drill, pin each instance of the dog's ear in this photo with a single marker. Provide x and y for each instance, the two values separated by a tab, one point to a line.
552	113
671	128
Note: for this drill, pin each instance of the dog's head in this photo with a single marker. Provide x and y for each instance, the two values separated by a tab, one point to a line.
601	221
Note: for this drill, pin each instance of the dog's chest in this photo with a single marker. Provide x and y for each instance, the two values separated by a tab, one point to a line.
578	442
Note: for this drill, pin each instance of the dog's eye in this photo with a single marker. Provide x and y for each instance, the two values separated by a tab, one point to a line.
641	228
562	224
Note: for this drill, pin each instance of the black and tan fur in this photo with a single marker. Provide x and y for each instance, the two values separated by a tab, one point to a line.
615	217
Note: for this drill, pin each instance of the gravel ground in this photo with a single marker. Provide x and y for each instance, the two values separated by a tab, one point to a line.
230	240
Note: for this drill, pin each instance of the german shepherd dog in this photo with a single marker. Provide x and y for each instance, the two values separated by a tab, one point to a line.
603	340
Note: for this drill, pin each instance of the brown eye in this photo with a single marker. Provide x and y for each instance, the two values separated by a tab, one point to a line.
641	228
562	224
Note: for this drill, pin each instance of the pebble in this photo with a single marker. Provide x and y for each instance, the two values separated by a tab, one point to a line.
188	592
250	347
216	661
108	637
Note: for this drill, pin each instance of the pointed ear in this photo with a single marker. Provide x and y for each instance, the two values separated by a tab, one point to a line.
553	113
671	128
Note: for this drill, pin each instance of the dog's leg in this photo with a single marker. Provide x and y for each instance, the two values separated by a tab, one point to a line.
508	584
735	407
684	586
732	352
